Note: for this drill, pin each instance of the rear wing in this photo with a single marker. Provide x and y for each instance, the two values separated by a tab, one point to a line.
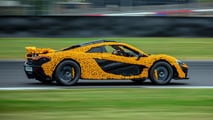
33	51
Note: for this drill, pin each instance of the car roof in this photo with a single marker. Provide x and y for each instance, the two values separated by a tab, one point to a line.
88	43
95	42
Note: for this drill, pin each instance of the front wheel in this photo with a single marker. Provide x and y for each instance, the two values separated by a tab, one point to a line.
161	73
67	73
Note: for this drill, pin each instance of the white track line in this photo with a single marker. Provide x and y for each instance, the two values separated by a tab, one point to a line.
76	87
29	88
130	14
203	10
153	13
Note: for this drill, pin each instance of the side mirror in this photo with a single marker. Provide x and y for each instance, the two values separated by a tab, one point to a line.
139	56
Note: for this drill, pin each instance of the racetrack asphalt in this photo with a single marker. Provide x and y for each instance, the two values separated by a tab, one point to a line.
12	75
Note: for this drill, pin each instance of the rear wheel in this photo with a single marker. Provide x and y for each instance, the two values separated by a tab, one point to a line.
67	73
161	73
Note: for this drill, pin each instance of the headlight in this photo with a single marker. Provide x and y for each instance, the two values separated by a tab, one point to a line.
180	62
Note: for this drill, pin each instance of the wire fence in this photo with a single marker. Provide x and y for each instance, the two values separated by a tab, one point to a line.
94	7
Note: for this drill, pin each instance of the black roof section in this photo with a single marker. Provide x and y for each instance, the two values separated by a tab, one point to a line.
95	42
88	43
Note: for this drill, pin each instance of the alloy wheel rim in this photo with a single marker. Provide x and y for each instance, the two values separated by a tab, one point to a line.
162	73
66	74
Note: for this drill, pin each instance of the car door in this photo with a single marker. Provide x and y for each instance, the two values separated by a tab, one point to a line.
125	63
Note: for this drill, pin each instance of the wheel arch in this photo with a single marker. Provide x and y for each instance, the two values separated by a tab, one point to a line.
65	59
163	60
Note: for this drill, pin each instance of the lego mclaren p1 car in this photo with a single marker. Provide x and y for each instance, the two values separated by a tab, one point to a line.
101	60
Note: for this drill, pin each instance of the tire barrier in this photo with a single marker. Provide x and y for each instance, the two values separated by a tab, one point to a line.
108	26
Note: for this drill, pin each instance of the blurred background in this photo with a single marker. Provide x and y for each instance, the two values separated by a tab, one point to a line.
78	18
107	7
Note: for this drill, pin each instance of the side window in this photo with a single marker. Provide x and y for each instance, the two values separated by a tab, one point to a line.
114	49
109	49
129	52
100	49
124	51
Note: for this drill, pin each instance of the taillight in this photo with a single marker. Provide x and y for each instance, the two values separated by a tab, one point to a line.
31	55
39	60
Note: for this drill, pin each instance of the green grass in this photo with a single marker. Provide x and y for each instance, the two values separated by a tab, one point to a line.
204	0
104	104
182	48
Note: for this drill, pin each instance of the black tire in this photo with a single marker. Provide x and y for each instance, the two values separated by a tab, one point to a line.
161	73
67	73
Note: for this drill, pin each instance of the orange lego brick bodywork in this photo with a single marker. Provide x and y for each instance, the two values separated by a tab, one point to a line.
89	67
